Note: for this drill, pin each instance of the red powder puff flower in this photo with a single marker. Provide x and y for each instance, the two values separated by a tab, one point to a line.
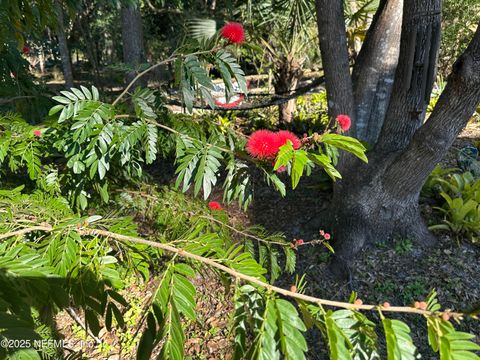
284	135
37	133
233	32
214	205
262	144
344	122
326	236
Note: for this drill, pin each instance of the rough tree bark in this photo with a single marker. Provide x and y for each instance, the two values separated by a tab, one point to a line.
379	200
335	62
287	77
374	70
63	46
132	38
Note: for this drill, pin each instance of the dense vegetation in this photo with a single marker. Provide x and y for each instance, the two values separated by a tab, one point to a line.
115	203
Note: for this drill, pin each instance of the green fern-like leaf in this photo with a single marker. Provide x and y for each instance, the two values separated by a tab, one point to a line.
449	343
360	332
399	343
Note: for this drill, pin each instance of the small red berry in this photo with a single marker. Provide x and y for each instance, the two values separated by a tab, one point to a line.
37	133
326	236
299	242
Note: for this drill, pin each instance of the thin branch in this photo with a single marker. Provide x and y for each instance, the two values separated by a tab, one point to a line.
251	279
275	99
139	75
26	231
171	58
79	321
244	233
12	99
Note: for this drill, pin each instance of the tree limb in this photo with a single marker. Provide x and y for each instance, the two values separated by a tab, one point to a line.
238	275
413	78
454	108
335	61
374	70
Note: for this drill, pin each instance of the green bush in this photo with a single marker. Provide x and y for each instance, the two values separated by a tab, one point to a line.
461	204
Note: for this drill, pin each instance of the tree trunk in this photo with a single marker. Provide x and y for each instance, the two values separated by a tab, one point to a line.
374	70
83	23
287	76
335	62
379	200
132	37
63	46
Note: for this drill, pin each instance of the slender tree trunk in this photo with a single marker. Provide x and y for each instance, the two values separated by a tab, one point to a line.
41	61
83	23
335	62
63	46
287	77
336	67
132	37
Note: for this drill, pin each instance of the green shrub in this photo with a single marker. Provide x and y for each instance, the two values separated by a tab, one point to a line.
461	204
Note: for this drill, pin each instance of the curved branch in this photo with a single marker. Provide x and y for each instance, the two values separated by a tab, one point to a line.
239	275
